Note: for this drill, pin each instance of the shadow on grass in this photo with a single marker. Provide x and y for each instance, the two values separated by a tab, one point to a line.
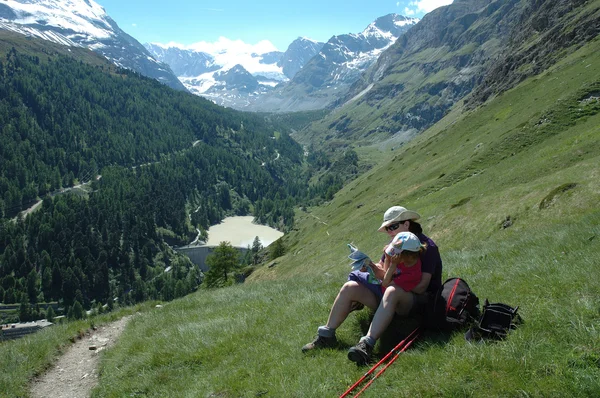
401	327
398	330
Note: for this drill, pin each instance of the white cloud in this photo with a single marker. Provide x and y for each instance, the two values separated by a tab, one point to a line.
229	53
408	12
424	6
236	46
134	25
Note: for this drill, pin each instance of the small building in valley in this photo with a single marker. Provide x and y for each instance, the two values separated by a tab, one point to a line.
16	330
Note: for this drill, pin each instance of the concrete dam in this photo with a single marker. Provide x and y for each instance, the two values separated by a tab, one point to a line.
198	254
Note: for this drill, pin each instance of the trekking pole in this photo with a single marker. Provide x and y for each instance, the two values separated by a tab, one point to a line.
401	347
408	344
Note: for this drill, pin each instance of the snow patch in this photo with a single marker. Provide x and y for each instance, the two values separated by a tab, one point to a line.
268	83
409	21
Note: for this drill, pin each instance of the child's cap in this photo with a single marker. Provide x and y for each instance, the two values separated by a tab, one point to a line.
403	241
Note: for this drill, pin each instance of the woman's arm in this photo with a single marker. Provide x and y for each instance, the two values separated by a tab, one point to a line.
378	269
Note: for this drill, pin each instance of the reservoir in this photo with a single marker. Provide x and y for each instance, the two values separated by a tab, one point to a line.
240	232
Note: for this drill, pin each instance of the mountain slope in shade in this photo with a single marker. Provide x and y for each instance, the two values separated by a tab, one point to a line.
83	23
471	50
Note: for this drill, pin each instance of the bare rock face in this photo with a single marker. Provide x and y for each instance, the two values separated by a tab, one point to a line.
558	28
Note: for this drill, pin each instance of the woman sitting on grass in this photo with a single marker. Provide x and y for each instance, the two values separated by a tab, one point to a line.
394	299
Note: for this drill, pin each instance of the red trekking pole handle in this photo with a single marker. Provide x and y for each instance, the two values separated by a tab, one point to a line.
401	347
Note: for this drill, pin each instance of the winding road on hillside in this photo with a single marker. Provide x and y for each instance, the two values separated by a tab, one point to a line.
33	208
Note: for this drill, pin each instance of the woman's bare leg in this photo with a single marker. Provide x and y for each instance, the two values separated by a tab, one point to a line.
351	291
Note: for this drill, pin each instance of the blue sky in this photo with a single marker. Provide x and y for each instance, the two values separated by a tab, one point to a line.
279	21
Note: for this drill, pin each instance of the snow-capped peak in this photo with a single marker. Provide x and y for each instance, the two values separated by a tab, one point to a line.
388	26
308	39
373	30
85	17
406	21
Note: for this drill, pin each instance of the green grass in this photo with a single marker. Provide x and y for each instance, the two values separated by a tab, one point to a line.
244	341
531	155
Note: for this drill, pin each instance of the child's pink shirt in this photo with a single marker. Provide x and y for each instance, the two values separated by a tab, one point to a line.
408	278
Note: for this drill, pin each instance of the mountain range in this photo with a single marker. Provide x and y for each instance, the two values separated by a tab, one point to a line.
341	61
233	73
83	23
308	75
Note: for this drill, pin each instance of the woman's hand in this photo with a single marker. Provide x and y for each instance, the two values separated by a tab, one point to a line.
365	267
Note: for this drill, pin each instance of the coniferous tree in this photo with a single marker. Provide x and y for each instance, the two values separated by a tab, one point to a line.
47	283
256	248
77	311
24	309
50	314
277	249
222	261
32	287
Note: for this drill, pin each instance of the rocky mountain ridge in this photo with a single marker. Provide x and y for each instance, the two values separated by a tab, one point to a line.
341	61
234	74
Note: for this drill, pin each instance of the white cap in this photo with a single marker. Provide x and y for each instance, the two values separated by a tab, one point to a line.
403	241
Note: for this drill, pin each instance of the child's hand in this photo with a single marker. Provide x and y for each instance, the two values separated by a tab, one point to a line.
395	259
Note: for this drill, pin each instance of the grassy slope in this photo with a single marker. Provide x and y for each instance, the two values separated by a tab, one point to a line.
466	175
496	162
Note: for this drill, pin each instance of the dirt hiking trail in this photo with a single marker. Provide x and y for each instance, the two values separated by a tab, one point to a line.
75	373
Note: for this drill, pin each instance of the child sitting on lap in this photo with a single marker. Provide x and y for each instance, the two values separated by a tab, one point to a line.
403	262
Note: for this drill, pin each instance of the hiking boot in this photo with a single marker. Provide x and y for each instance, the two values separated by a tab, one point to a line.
321	342
360	353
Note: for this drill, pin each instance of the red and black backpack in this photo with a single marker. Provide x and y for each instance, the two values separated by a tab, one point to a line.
454	306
